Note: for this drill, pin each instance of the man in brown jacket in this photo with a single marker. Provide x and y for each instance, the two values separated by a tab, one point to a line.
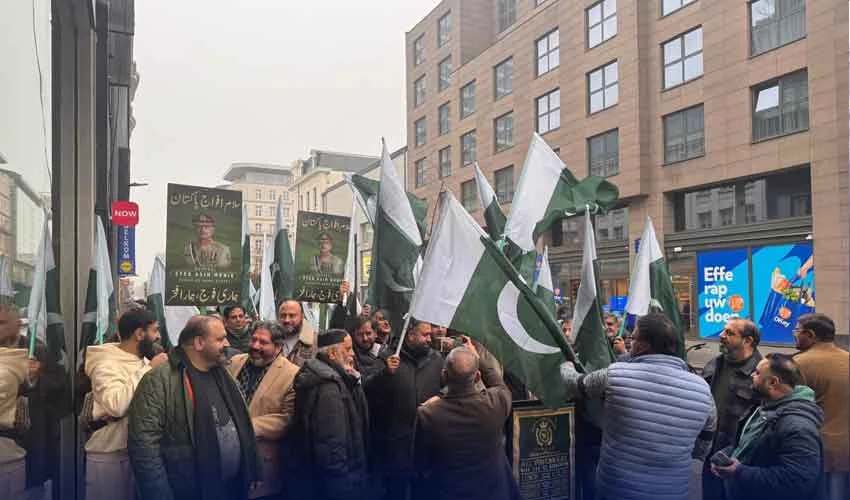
265	378
299	339
458	444
826	369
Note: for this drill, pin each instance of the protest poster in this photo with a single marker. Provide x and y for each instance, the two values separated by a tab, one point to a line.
203	248
783	289
723	289
320	251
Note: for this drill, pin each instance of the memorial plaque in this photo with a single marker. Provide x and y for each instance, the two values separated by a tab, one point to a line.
542	452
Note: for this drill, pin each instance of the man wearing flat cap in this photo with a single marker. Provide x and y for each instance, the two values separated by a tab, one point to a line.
206	252
331	424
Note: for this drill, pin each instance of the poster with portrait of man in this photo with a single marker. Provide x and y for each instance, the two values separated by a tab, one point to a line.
203	251
321	247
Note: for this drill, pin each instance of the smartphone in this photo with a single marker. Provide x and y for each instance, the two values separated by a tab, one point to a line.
721	459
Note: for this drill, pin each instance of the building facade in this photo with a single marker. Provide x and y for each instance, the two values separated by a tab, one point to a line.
262	185
723	121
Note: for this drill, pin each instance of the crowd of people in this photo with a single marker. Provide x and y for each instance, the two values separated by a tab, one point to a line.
276	409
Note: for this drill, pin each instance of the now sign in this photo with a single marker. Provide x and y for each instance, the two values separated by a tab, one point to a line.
125	213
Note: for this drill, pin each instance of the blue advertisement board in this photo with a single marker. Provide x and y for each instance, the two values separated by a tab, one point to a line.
723	293
783	289
126	251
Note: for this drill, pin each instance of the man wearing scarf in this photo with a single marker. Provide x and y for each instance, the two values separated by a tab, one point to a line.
190	434
265	378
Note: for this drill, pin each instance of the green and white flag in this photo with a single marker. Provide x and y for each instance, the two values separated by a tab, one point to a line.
591	343
397	246
43	310
651	286
547	192
544	289
7	292
267	310
366	193
171	319
493	215
100	298
283	267
245	294
351	302
469	285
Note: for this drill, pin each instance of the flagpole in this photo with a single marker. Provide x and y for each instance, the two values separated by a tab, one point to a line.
403	334
32	342
356	283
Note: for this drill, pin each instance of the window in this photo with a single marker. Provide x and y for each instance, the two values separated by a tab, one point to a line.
504	179
419	50
506	12
445	70
774	23
445	160
468	145
781	106
258	228
670	6
272	195
613	226
601	22
444	29
683	58
419	167
504	126
258	195
548	56
603	87
315	200
285	212
270	212
258	211
420	134
549	111
419	91
777	196
258	244
469	195
467	100
443	113
286	196
684	135
603	154
367	233
504	76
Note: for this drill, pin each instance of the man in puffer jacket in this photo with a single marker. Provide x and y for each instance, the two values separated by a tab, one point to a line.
779	454
659	418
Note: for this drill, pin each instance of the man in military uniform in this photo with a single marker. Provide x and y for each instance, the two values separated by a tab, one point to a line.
326	262
205	252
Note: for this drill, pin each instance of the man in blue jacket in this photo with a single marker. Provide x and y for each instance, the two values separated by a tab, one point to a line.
779	454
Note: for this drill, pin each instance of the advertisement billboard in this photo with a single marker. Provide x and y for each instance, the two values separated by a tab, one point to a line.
723	281
783	289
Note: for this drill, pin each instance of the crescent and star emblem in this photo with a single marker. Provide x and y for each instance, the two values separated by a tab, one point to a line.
506	307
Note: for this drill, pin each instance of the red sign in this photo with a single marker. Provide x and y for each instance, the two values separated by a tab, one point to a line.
125	213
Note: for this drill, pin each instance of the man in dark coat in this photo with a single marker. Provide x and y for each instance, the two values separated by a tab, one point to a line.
236	322
779	454
458	443
409	380
190	436
331	425
366	349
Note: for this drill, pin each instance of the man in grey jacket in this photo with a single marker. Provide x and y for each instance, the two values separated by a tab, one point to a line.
659	418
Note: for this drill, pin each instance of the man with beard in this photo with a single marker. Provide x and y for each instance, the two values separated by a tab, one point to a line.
409	380
298	337
825	368
190	435
381	325
366	349
115	370
779	453
236	322
265	379
332	425
729	376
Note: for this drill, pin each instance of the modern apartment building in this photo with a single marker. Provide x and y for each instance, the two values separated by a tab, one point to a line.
261	185
723	121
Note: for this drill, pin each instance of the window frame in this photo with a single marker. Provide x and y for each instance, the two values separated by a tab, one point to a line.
547	56
443	84
603	88
684	134
416	132
549	111
496	188
441	129
496	121
603	136
416	94
682	5
444	159
472	133
778	82
469	200
510	14
441	42
419	50
465	99
779	43
419	169
601	23
496	95
683	57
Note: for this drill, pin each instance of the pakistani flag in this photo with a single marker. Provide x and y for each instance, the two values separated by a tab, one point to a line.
171	319
651	286
245	294
396	249
43	310
351	302
547	191
468	284
591	343
267	309
543	288
493	215
366	194
100	300
283	268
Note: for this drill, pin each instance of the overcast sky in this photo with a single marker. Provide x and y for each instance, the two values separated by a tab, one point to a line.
260	80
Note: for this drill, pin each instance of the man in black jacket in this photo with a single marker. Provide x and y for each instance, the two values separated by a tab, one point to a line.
779	454
409	380
366	349
236	323
331	424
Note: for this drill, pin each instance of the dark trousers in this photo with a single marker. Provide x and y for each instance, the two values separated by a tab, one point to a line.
396	488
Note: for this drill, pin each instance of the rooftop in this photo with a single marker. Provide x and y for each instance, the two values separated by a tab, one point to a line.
239	169
341	162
